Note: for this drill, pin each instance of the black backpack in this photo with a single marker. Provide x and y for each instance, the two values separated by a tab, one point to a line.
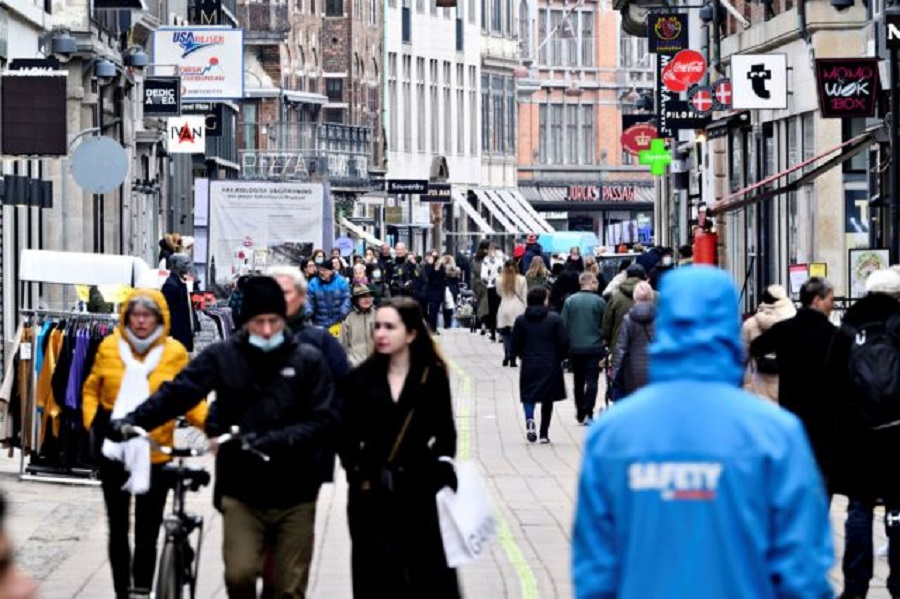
873	367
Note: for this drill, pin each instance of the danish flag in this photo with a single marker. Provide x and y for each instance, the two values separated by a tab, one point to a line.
723	93
702	100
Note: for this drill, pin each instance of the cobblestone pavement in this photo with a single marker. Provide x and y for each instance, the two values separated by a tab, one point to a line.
61	532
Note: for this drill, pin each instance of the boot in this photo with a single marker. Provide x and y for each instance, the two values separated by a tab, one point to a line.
513	363
505	362
531	431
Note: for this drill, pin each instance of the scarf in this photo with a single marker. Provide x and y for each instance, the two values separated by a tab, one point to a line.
141	346
135	389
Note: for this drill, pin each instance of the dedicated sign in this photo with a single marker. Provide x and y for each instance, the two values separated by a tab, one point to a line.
162	96
437	192
848	87
413	186
759	81
667	33
186	135
210	60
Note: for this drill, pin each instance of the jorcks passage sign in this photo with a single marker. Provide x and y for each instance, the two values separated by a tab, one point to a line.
210	60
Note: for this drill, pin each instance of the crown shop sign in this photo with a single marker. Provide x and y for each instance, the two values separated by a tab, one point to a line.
601	193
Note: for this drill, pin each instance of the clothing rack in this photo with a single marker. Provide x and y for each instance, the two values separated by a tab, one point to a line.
33	472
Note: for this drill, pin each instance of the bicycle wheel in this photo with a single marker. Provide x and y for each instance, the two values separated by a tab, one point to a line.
168	579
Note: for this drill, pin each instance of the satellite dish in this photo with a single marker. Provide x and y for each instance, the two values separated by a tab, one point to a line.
99	164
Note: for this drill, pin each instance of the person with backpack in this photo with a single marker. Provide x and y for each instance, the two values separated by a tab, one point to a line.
865	365
801	346
631	359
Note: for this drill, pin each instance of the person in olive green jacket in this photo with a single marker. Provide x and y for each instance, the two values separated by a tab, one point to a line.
582	314
620	304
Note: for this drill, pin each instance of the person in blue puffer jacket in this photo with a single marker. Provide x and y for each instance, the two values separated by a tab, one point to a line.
329	297
691	487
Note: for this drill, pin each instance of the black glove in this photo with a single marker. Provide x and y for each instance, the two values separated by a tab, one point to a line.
446	475
116	430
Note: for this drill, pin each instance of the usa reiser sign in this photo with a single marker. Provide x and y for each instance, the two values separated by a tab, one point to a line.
210	60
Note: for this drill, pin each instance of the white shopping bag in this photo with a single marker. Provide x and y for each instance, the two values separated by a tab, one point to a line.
467	521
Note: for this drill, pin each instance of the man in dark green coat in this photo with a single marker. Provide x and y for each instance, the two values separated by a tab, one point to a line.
582	314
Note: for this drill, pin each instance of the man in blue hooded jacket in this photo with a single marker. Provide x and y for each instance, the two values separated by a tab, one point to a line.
691	487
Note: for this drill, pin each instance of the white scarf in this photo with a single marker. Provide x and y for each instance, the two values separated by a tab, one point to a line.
135	389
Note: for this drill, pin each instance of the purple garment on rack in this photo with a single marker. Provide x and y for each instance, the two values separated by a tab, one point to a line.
76	372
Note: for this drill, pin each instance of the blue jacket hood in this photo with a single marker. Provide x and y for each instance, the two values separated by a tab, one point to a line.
698	328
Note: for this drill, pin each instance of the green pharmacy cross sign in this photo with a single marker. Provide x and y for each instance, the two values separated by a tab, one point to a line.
658	157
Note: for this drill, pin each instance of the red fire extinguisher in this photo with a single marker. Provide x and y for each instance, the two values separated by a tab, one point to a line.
705	243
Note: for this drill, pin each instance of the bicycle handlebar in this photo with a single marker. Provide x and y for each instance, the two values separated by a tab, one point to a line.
234	434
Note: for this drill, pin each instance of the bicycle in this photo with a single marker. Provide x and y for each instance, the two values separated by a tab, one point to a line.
179	562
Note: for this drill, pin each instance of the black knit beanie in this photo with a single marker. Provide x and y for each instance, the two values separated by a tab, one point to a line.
262	295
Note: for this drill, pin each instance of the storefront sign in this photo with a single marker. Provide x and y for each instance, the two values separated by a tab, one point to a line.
205	12
212	112
684	70
186	135
162	96
667	33
759	81
406	186
892	29
210	60
674	113
602	193
848	87
33	113
437	192
637	138
657	157
797	275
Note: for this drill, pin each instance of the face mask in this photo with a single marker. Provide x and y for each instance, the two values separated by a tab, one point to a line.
667	261
319	260
376	274
269	344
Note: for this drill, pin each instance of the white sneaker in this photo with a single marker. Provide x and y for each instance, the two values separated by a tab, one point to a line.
882	551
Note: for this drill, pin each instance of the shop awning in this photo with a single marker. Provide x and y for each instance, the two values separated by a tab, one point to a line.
509	210
496	212
459	197
524	210
745	197
359	232
526	204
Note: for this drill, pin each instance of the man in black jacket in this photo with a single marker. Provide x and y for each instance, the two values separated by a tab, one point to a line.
176	293
801	346
279	392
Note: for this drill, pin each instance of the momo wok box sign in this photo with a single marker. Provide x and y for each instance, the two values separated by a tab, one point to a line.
210	60
848	87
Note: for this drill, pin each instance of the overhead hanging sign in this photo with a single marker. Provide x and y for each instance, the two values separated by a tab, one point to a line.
667	33
684	70
186	135
674	113
848	87
212	112
162	96
637	138
210	60
759	81
33	113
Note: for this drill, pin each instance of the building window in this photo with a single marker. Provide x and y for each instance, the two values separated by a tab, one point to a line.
484	21
511	110
407	102
435	107
420	6
556	133
373	10
496	15
808	124
485	113
524	30
460	121
507	21
587	135
473	120
571	141
334	89
587	39
448	113
471	11
312	7
433	7
249	129
394	113
543	133
334	8
420	104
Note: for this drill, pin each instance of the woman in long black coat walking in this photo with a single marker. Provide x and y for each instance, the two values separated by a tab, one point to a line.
398	445
540	340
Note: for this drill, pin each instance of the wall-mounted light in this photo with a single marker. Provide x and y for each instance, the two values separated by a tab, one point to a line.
64	44
104	69
136	57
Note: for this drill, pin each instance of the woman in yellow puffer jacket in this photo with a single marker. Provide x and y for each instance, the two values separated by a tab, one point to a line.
130	365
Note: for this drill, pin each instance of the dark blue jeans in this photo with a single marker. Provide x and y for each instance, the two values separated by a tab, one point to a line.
586	372
858	564
506	336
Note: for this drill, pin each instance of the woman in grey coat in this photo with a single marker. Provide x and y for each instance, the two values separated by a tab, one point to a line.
630	358
479	289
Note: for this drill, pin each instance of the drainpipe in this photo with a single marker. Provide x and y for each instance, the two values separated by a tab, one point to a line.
801	22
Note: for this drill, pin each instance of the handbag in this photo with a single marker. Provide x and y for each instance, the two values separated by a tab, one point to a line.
449	303
385	477
466	519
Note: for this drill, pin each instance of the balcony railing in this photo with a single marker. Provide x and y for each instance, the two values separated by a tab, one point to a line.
264	20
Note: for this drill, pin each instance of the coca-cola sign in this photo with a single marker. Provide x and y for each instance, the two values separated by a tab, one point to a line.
637	138
848	87
685	69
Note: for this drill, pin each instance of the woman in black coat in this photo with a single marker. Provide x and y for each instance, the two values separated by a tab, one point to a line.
399	441
540	340
435	280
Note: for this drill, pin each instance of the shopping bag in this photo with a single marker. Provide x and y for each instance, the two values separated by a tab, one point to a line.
467	522
449	302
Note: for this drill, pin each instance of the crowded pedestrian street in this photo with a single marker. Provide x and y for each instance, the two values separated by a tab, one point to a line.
61	530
